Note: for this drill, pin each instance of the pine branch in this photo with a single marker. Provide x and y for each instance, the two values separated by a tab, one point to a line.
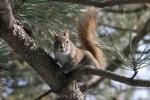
116	27
141	32
121	11
107	3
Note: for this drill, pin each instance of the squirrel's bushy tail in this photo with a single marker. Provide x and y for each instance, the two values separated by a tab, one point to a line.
86	26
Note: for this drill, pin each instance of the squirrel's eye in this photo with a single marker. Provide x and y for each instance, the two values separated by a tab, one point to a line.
66	41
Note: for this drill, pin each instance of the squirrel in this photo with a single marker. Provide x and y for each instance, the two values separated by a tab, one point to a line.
71	57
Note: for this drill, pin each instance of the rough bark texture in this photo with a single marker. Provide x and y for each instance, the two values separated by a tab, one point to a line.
28	49
71	89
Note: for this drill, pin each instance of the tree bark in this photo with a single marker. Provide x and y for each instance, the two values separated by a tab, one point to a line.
71	89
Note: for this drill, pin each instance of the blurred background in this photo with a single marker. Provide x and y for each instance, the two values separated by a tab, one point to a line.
117	28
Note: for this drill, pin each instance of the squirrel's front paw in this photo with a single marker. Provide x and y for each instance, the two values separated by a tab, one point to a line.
90	66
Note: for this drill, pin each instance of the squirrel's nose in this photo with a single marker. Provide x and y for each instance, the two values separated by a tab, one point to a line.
61	45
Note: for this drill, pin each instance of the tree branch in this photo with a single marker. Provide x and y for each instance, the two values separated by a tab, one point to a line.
126	11
22	44
106	3
44	94
110	75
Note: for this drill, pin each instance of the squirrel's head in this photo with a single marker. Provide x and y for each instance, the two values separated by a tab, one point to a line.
62	44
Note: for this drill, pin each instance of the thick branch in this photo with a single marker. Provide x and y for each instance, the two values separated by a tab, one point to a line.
113	76
22	44
106	3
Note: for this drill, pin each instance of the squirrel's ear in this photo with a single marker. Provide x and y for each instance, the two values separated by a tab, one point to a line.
55	35
66	34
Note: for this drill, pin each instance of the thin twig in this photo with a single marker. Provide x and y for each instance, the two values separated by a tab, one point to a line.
116	27
44	94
